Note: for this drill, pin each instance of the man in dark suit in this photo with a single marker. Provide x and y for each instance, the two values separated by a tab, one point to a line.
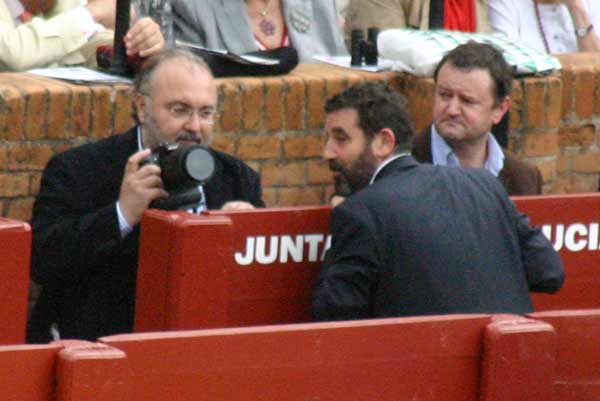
472	94
86	216
418	239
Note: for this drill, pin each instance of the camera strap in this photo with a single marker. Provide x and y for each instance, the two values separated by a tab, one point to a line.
201	205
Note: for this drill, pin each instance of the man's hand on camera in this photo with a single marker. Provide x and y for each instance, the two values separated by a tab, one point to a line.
140	186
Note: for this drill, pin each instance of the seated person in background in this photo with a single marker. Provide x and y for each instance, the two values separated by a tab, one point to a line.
67	33
86	216
416	239
456	15
472	93
551	26
312	27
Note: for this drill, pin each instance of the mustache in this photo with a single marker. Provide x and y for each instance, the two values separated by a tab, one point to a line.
189	137
335	167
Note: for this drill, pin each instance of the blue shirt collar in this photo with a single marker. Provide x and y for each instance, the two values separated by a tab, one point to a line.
443	155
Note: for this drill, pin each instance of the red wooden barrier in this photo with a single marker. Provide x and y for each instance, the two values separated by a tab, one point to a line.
572	223
228	269
577	375
15	249
28	372
429	358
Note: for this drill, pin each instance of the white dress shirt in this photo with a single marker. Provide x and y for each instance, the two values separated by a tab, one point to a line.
517	20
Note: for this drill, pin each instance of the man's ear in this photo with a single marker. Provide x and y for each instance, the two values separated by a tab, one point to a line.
383	144
139	101
501	109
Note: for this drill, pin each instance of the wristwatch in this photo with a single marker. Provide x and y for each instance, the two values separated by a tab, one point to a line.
584	30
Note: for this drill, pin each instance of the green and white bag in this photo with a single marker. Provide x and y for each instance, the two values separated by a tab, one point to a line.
419	52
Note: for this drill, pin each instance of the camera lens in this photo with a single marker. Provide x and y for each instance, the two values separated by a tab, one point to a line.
199	163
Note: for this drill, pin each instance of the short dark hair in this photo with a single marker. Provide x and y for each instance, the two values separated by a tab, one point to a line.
378	107
482	56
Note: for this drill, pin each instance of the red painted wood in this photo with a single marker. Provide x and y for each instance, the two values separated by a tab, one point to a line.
519	360
188	276
582	284
92	372
423	358
27	372
15	249
577	376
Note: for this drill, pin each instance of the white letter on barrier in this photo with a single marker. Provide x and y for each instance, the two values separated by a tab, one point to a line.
245	260
289	247
261	251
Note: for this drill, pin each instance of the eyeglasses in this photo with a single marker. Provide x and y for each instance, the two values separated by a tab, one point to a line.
182	111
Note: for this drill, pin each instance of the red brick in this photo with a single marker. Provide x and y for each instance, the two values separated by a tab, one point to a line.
231	116
295	103
12	185
35	111
28	156
123	108
315	102
259	147
553	102
270	197
102	112
253	100
81	106
575	183
283	174
34	183
535	98
577	136
568	92
517	106
58	102
564	162
318	172
224	143
274	102
588	162
302	146
419	94
334	85
12	114
540	144
584	89
301	196
548	168
20	209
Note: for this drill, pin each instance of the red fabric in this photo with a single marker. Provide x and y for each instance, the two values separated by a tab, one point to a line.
459	15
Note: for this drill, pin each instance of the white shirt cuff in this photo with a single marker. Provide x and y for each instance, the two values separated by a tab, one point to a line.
84	21
124	226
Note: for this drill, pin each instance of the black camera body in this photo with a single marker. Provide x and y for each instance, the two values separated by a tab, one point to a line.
183	169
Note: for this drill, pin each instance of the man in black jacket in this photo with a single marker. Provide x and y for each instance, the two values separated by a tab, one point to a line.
418	239
86	216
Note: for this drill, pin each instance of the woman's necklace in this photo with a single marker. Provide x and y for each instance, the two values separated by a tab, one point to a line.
267	27
540	25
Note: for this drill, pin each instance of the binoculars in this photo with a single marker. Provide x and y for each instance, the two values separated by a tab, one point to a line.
363	51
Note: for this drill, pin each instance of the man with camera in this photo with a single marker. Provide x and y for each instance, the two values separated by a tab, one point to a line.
92	198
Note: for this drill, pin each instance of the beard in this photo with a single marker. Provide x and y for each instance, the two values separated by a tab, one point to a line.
355	176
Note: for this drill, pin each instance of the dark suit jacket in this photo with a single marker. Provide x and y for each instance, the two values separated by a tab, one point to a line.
426	239
517	176
87	271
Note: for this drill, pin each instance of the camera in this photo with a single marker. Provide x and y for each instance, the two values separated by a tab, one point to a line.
183	169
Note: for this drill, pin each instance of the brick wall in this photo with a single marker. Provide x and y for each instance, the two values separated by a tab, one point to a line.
275	125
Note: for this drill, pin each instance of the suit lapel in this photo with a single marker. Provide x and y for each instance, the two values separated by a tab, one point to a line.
235	36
